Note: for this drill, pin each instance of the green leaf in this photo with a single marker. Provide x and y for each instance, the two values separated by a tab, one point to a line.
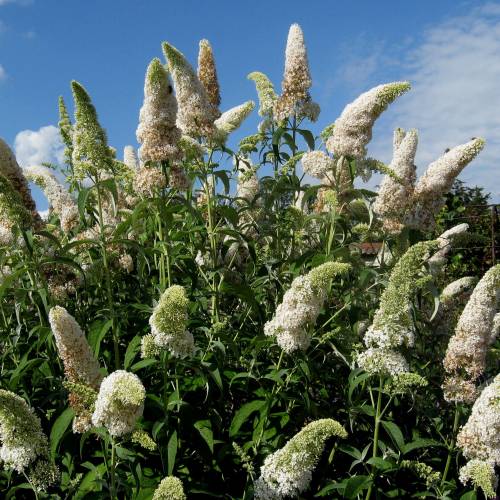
308	137
59	428
243	413
420	443
395	432
132	349
204	427
96	335
355	485
171	452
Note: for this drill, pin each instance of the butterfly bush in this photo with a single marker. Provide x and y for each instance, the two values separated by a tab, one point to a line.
353	129
170	488
298	285
288	471
168	325
120	403
465	358
479	439
157	131
295	99
392	325
301	306
58	196
207	72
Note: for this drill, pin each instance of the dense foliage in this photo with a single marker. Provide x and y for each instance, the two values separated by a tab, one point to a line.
208	322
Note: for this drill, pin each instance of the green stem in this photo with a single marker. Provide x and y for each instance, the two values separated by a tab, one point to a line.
451	447
107	278
270	401
112	471
378	416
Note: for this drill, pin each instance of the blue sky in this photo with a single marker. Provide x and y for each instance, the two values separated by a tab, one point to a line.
450	50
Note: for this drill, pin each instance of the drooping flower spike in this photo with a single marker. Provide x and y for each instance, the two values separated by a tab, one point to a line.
288	472
353	129
301	306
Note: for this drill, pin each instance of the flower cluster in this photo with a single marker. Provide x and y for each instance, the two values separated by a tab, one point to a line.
353	129
317	164
446	242
479	438
157	132
207	72
80	366
13	214
428	197
170	488
452	299
58	196
231	119
265	91
288	471
392	324
120	403
21	436
295	99
248	183
196	114
91	153
482	475
301	306
10	169
465	357
393	196
168	324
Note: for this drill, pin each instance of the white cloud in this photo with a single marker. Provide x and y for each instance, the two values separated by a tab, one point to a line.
455	74
19	2
3	73
36	147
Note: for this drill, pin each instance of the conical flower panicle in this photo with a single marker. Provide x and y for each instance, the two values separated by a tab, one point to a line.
288	471
120	403
265	91
58	196
231	119
91	153
353	129
301	306
207	72
465	358
21	436
392	324
295	99
196	115
428	197
451	301
157	131
10	169
170	488
393	196
130	158
479	439
168	323
12	213
80	366
65	130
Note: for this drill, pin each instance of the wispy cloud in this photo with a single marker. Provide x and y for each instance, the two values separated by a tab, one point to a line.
34	147
3	73
455	73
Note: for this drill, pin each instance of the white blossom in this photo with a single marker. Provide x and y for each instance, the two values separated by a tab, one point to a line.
120	403
353	129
